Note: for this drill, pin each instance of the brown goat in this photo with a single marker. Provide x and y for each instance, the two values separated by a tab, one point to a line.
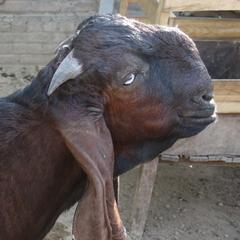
117	90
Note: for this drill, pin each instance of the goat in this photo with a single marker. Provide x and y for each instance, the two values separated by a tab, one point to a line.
117	93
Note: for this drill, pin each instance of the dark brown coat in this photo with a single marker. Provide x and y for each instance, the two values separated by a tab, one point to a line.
141	88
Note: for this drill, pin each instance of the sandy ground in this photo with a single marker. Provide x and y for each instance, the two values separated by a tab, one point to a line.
199	203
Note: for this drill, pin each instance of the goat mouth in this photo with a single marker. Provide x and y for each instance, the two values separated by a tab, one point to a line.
201	120
203	116
192	123
198	119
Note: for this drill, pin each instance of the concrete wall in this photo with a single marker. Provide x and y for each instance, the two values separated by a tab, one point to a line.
30	30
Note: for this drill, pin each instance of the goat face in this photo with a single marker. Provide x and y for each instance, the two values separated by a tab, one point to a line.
150	80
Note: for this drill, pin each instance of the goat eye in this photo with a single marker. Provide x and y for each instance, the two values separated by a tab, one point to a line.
129	80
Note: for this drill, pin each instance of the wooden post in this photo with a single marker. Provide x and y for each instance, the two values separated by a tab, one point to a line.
142	198
123	7
160	16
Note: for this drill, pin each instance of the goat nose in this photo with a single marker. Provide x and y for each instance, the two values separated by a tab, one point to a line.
205	98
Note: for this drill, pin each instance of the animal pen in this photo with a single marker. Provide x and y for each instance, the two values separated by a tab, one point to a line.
215	28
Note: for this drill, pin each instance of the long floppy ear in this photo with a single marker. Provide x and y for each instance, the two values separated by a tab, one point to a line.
90	142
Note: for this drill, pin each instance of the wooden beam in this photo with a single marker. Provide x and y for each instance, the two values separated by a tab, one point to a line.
163	19
123	7
227	95
142	198
227	90
228	107
227	86
208	28
201	5
151	9
158	11
160	16
234	163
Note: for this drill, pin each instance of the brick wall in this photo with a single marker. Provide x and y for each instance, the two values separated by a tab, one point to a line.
30	30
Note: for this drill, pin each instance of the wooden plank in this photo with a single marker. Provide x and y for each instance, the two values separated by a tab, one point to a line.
163	19
151	9
157	11
218	162
200	5
160	16
217	159
208	28
227	95
228	107
227	98
232	85
227	90
124	11
142	198
123	7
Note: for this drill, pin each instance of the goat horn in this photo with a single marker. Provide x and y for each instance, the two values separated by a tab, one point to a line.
68	69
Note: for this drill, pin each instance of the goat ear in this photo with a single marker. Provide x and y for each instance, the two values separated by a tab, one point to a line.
69	68
90	142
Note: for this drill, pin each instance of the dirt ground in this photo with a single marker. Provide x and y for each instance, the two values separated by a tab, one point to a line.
198	203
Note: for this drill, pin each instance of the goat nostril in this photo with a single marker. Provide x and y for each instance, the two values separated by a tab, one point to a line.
201	99
207	97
